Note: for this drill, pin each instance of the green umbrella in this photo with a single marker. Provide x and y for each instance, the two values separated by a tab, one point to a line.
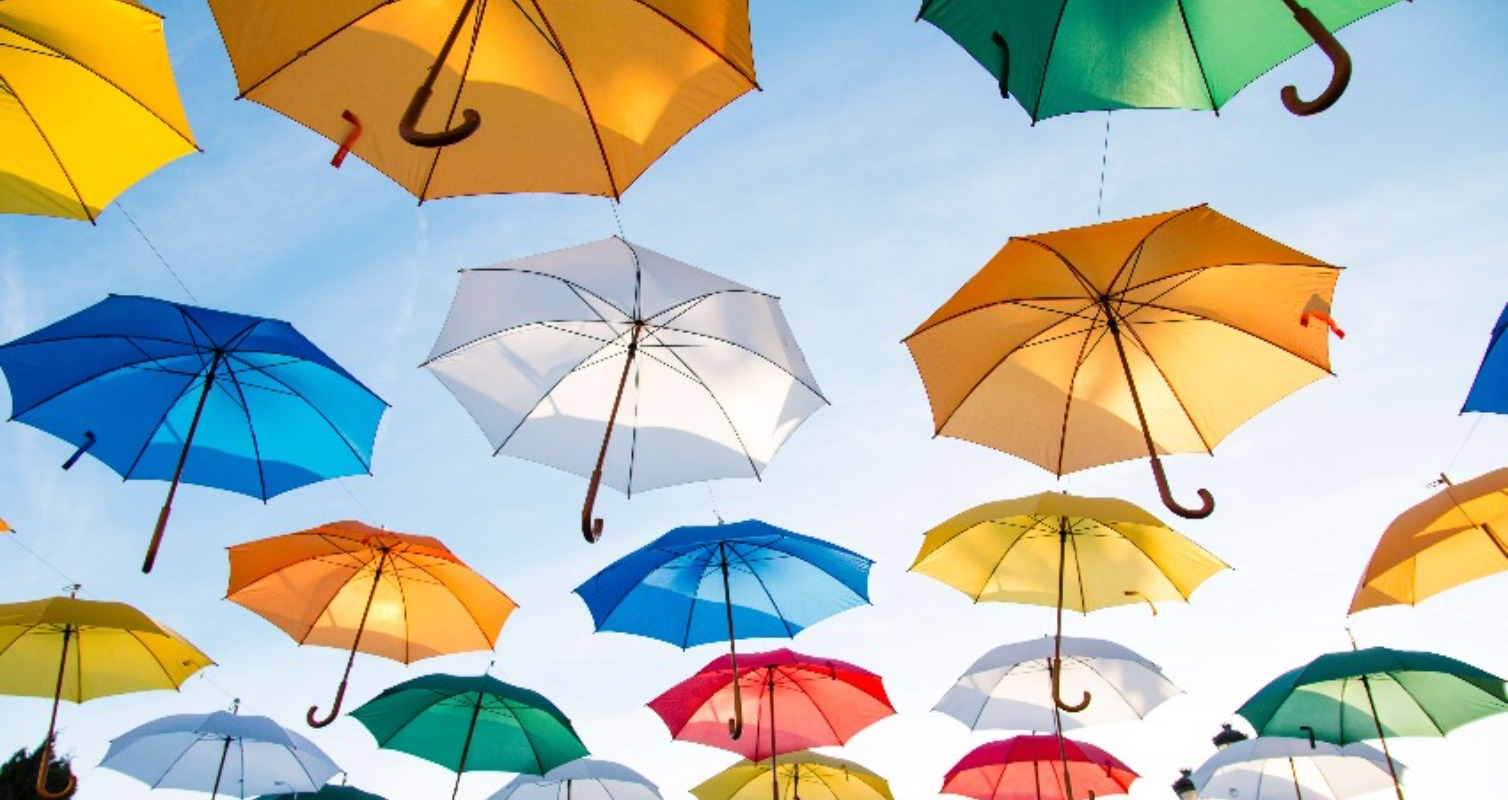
1373	694
1059	57
329	791
474	722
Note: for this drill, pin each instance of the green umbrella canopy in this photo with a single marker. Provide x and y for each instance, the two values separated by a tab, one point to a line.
327	792
1416	694
1108	54
488	724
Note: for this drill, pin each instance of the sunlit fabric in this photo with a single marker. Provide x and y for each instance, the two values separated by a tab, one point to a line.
1033	767
1489	389
241	754
582	779
129	373
778	583
88	105
1280	768
803	774
534	349
575	96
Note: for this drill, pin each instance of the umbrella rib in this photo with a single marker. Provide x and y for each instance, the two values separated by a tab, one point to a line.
1078	573
161	420
1422	709
785	623
524	418
554	45
586	107
1183	14
1085	350
466	606
1165	576
749	350
716	402
1004	553
1047	63
251	428
699	40
321	414
1199	318
273	72
633	430
56	158
1135	253
690	607
150	651
1177	397
111	370
1022	301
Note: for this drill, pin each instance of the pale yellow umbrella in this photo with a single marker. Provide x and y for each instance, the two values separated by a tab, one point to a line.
88	105
1454	537
1159	334
802	775
541	96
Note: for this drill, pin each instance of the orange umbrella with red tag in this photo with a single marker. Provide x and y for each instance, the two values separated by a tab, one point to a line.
350	585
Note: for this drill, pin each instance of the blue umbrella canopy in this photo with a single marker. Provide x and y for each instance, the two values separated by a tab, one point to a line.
165	391
1489	390
693	584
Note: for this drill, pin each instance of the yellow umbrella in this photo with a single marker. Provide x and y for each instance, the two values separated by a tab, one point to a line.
544	96
77	650
1052	549
88	105
802	775
1159	334
1456	536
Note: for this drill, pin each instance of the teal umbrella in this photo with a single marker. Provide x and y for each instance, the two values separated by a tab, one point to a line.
474	722
1373	694
1059	57
327	792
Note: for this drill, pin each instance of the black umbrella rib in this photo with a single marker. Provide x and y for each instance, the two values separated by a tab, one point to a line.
699	40
572	285
543	34
251	428
455	102
157	426
1037	520
1213	321
322	415
1013	301
1177	398
273	73
633	431
1128	267
57	159
761	356
523	418
1297	264
774	605
1183	15
1088	347
718	403
586	107
1047	63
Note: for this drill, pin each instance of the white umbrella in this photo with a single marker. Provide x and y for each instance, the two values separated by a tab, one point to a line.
582	779
1282	768
701	376
241	755
1010	687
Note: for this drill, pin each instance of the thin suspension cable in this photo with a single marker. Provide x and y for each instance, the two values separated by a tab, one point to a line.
365	512
712	496
1453	459
156	252
617	220
1104	162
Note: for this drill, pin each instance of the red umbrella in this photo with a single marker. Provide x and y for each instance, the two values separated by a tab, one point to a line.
789	702
1032	768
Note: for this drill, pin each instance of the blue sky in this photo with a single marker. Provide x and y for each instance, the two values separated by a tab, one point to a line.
874	174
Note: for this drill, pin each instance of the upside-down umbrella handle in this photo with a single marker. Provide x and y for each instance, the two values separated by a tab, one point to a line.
340	695
591	527
41	787
736	724
1205	497
1057	691
1339	59
1005	63
1310	731
470	121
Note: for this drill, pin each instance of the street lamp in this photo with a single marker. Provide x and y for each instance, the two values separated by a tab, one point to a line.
1184	786
1227	736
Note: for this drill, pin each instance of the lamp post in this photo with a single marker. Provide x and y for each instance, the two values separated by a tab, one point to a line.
1184	786
1228	736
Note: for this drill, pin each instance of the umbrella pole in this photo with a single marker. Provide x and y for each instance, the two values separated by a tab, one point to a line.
167	506
1376	720
471	120
52	727
1294	770
1057	639
466	747
735	725
340	694
221	770
1157	471
774	772
592	528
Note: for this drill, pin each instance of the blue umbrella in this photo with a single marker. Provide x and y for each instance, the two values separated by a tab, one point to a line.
747	579
329	791
1489	390
166	391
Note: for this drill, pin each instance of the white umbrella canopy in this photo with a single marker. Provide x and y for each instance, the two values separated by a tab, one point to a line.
610	358
1283	768
582	779
220	753
1010	687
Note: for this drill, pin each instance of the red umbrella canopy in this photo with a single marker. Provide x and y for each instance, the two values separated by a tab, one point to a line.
1031	768
790	702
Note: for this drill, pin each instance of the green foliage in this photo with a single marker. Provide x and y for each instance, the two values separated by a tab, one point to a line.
18	775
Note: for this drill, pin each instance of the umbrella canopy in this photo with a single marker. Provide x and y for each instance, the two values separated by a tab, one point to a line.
1159	334
165	391
1060	57
1452	538
77	650
791	702
356	587
329	791
544	351
1489	389
89	105
1281	768
582	779
1010	687
549	96
805	775
243	755
1033	768
472	722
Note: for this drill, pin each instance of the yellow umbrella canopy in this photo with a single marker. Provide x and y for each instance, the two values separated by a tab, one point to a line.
78	650
353	586
1456	536
88	105
545	96
1159	334
803	774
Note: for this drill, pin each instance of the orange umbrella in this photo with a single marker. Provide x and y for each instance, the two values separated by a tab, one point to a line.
350	585
1457	536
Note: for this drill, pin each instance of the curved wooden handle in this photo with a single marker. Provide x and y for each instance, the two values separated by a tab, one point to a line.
1310	731
470	121
1145	599
41	786
591	528
1167	496
1057	694
736	725
1339	59
340	695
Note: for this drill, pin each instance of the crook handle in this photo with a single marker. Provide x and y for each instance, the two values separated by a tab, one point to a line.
1310	731
89	441
41	786
591	528
1205	497
1339	59
1057	690
1005	63
340	695
350	141
736	724
471	120
1144	598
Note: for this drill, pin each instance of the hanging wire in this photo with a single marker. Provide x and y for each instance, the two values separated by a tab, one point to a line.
716	514
366	513
156	252
1104	162
15	537
1464	442
617	219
